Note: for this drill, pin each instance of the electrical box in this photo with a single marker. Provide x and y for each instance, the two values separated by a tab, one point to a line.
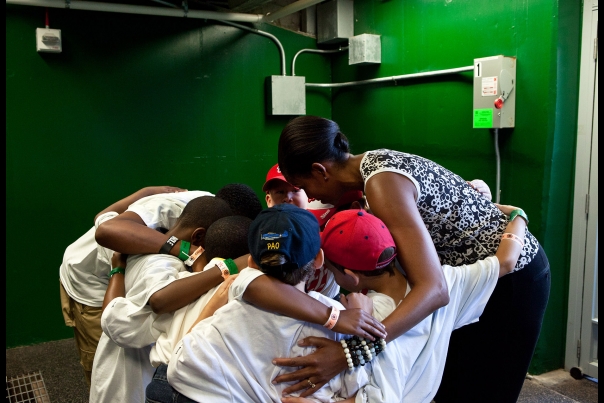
494	92
364	49
286	95
335	21
48	40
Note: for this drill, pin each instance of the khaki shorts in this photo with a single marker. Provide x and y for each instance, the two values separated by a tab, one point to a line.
86	323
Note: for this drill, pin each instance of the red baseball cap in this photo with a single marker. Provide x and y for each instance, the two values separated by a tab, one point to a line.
324	212
274	174
355	239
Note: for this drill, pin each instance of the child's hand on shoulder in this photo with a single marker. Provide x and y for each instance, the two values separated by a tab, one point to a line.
357	300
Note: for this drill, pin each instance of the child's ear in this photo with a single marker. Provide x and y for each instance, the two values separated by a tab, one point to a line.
355	205
251	263
319	259
354	277
269	201
198	238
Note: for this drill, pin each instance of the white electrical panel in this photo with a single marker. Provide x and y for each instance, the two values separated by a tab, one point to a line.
286	95
48	40
364	49
494	92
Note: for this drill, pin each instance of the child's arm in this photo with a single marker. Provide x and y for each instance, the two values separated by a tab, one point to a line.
121	205
183	291
511	245
218	300
116	287
128	233
275	296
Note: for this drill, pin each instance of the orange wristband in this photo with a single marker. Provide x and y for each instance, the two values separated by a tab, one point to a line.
333	318
224	270
513	237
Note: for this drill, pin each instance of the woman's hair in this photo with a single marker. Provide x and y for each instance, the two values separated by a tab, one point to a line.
276	265
308	139
227	238
386	254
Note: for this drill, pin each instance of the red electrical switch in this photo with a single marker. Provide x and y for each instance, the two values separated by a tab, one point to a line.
499	103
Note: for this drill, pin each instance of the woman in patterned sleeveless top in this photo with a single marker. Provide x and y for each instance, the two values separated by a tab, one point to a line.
435	218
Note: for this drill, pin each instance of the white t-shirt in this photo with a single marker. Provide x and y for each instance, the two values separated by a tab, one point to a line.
172	327
120	373
162	210
410	368
84	272
228	356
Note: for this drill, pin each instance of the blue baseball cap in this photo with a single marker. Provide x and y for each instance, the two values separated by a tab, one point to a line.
286	229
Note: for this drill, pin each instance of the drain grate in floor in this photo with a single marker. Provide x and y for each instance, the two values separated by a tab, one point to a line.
26	388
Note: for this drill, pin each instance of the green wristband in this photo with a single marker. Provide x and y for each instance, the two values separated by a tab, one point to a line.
230	263
184	250
117	270
518	213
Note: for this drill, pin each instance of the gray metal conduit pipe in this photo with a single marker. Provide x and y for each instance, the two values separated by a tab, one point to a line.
313	51
145	10
393	78
273	37
167	12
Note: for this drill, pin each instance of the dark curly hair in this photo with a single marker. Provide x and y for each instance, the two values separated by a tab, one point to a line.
203	211
227	237
241	198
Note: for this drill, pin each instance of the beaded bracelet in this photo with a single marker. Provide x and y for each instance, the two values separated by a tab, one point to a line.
360	351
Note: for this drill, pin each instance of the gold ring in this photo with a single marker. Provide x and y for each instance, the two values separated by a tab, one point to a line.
312	385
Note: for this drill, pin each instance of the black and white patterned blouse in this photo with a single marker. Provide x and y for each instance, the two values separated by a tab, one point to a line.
464	226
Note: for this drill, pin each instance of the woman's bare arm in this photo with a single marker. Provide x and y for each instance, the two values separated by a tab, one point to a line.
392	198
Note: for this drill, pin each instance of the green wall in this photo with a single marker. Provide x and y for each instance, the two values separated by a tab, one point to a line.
132	101
432	117
136	100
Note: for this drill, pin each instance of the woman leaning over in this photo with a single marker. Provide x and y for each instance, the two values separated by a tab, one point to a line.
435	218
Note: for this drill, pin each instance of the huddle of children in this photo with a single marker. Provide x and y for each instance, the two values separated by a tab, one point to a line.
183	330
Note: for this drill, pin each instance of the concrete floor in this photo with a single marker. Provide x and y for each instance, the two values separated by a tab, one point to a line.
64	380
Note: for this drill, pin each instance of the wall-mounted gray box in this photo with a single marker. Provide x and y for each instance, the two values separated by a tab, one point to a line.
335	21
364	49
286	95
494	79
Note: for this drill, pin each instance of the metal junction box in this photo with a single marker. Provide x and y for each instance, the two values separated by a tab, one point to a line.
364	49
335	21
286	95
494	92
48	40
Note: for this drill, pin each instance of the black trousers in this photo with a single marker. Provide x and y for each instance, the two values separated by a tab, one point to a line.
487	361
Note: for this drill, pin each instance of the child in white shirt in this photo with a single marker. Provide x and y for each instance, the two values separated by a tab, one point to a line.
121	368
227	357
360	252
